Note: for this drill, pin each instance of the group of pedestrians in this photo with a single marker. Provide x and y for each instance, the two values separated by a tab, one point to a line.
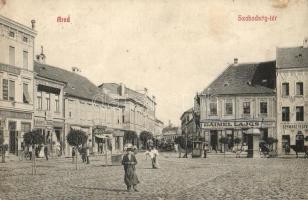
129	162
84	152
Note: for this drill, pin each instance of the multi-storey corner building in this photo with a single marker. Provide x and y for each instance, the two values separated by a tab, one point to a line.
292	95
189	125
86	108
16	81
241	103
139	112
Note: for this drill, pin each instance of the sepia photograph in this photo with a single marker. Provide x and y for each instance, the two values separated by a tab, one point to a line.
154	99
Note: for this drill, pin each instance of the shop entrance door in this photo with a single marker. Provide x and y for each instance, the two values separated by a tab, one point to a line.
13	139
250	145
214	140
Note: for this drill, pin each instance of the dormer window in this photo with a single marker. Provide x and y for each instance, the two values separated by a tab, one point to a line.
12	34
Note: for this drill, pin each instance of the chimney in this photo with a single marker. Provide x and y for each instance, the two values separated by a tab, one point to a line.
235	61
33	24
76	70
41	58
122	89
305	43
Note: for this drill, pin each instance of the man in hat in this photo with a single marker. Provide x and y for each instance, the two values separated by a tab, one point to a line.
129	161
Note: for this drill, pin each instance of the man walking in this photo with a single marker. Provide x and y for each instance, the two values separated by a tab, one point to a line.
46	151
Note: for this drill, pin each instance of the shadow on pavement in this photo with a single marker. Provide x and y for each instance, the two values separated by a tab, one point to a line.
103	189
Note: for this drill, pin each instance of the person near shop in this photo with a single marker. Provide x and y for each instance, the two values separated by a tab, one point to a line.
30	149
153	153
88	155
73	154
287	149
46	151
129	162
205	149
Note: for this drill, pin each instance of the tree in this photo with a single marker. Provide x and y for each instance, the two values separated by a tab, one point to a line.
75	138
145	136
130	137
33	138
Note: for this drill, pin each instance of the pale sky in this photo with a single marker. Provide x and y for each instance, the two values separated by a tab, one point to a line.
175	48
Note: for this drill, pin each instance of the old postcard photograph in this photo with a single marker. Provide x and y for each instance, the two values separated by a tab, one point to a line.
153	99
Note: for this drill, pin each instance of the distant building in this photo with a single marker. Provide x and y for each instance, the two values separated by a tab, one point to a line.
170	133
16	81
189	125
140	107
86	108
159	126
292	95
241	102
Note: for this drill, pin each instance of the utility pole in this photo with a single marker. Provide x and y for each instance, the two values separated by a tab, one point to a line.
186	152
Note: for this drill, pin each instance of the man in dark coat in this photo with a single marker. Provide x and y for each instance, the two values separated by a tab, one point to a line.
130	178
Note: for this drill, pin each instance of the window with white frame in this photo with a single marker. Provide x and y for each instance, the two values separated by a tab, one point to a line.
57	103
285	89
299	113
39	100
263	107
213	108
246	107
229	108
299	88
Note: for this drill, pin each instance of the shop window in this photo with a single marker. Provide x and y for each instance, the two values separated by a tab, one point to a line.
263	107
25	127
285	114
229	108
299	88
246	107
213	108
299	113
285	89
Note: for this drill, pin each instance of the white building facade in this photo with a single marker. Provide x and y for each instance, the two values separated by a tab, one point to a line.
16	81
292	95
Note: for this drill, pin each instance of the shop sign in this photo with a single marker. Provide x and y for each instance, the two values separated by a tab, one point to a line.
39	122
295	126
231	124
16	115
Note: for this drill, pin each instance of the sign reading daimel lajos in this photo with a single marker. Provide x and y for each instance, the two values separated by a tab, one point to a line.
232	124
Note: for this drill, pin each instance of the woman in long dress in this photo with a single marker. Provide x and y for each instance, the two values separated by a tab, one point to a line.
130	178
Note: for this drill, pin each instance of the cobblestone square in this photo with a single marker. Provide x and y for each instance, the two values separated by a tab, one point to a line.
216	177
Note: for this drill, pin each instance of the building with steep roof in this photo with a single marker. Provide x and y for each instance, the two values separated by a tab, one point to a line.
16	82
292	96
242	99
85	107
189	125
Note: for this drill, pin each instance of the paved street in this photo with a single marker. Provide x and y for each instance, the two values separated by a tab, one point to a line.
213	178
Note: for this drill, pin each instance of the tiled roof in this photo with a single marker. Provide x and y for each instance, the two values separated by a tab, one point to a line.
292	57
76	85
246	78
